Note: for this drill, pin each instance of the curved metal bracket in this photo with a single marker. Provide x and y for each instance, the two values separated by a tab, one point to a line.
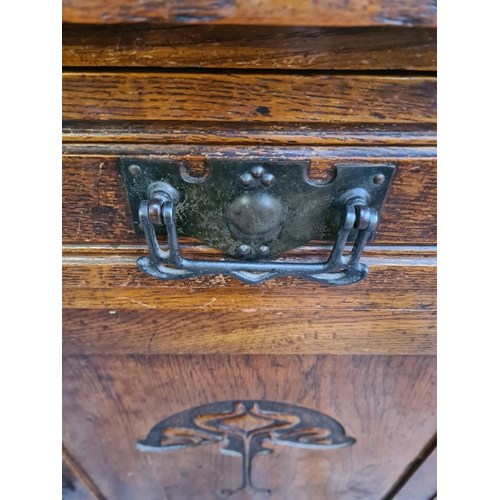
339	269
253	212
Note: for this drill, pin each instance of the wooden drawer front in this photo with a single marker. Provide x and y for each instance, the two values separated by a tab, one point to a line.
95	209
110	307
112	401
263	47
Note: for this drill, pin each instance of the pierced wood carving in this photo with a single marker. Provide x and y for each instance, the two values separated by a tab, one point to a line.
244	427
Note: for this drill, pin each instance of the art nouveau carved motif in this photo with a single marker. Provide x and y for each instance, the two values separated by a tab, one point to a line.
244	428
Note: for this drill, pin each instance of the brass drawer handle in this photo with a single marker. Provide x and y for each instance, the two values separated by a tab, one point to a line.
261	211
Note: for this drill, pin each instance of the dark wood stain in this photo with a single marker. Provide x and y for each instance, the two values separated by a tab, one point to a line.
263	110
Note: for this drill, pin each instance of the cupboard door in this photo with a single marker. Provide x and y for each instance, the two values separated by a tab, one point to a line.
279	422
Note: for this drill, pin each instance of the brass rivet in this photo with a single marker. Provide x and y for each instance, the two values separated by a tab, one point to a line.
134	169
258	171
379	179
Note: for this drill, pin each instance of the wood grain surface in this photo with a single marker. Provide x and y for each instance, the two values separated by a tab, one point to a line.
204	133
254	79
254	12
236	97
423	484
114	282
79	486
111	307
95	209
386	403
264	47
250	331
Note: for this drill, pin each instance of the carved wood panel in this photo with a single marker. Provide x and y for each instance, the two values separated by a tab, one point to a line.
244	428
386	403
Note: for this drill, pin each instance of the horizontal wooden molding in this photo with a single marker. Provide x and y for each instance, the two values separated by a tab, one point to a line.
254	12
262	47
314	250
248	331
110	307
205	133
248	97
114	282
